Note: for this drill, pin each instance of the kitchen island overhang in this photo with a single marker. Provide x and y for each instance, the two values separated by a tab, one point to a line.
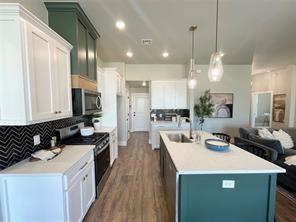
213	186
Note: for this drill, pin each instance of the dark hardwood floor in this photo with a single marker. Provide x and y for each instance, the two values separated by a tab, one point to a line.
134	192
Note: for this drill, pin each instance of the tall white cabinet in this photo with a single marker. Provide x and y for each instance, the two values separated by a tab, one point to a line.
169	94
35	81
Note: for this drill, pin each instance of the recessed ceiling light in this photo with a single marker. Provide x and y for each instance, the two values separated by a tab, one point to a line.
129	54
165	54
120	25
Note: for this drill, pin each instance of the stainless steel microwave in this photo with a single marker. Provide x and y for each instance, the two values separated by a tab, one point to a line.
86	102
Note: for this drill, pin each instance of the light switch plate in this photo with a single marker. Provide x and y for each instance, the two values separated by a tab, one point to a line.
228	184
36	140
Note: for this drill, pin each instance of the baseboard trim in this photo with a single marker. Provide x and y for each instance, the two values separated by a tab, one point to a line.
122	143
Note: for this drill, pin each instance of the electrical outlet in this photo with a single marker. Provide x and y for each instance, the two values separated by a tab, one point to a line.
36	140
228	184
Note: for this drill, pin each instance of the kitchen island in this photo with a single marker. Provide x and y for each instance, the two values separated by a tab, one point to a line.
209	186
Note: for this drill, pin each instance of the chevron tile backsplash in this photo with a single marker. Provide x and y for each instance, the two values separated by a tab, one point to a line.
16	142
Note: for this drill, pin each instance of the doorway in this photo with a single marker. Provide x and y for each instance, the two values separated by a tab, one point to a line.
140	112
261	109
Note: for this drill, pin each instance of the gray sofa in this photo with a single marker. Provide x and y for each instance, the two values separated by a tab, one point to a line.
252	134
288	179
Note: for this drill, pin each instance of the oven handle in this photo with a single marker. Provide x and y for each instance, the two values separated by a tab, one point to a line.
101	150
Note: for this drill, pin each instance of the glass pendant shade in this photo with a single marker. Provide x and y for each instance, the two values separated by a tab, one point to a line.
191	80
192	83
215	72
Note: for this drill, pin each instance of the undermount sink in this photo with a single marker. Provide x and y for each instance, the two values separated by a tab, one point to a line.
178	138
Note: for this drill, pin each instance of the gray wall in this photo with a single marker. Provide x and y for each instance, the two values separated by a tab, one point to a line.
37	7
236	80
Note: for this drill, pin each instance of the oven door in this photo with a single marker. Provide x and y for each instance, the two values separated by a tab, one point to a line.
102	164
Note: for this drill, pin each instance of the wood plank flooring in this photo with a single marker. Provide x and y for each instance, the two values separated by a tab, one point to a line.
134	192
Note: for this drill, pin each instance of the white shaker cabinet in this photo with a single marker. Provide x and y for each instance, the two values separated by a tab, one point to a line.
169	94
61	189
157	95
35	81
113	146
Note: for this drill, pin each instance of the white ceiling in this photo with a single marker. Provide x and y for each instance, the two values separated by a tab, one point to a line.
261	29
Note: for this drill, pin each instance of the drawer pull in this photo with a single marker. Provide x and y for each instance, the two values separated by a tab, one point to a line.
83	165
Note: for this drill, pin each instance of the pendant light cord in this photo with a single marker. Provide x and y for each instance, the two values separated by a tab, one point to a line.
217	16
192	51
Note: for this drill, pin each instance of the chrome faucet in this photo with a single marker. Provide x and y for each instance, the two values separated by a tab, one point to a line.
190	129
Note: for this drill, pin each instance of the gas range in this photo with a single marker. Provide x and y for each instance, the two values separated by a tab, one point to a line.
71	136
97	139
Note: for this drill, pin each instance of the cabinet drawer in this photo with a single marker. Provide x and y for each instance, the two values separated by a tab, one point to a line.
77	169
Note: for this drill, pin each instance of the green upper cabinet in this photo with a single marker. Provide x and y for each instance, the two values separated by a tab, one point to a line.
91	53
69	20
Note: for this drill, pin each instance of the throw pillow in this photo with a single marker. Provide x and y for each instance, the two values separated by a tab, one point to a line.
264	133
284	138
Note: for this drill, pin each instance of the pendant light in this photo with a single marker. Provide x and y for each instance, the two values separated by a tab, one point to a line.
215	72
191	80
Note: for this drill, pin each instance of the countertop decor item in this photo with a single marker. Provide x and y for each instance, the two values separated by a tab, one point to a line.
87	131
204	108
217	145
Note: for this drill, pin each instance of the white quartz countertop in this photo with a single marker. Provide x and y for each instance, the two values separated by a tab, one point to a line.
105	129
192	158
58	165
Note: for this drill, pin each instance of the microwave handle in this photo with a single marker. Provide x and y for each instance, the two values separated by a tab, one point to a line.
99	102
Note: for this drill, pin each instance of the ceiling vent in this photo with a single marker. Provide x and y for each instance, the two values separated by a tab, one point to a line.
146	42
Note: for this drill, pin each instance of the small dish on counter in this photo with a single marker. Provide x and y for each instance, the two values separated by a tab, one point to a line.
217	145
87	131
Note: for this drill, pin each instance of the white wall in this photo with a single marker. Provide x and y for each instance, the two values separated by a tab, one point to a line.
282	81
236	80
138	72
37	7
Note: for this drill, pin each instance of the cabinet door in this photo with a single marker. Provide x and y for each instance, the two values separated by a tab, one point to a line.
63	81
81	48
74	202
170	185
169	95
181	95
41	74
88	188
91	57
157	95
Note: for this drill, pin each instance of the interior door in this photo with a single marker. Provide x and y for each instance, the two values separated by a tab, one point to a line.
140	113
63	80
41	74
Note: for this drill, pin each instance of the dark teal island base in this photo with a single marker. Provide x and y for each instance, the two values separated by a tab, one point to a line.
202	198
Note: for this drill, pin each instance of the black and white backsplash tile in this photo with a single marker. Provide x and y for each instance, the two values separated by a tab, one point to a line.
166	114
16	142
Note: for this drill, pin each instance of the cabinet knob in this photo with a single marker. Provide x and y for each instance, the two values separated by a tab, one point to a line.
60	111
56	112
